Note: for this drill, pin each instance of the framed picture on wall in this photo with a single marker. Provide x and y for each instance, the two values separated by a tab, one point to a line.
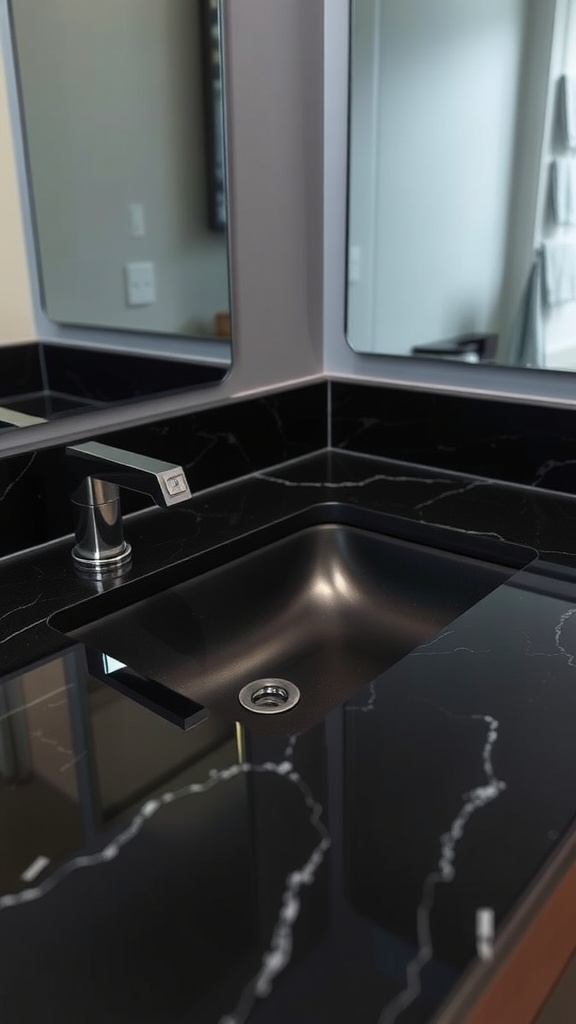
214	114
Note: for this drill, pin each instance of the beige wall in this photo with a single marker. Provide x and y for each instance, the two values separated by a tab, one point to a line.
16	319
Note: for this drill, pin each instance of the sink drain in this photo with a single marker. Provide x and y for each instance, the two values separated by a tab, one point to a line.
269	696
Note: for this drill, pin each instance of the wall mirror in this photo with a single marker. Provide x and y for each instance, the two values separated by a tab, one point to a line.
122	111
462	180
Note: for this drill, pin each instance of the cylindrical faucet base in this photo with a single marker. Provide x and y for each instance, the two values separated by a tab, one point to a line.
100	544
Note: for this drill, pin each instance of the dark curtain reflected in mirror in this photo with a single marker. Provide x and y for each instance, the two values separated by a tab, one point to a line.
214	114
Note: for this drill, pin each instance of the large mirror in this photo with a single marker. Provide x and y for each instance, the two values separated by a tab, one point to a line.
462	180
121	108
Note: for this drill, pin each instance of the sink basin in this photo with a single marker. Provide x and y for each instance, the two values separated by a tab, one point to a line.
327	600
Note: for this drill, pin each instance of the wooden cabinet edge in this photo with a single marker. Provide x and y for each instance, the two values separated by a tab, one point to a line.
532	952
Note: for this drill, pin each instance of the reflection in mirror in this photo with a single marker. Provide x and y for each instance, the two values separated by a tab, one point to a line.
123	117
462	188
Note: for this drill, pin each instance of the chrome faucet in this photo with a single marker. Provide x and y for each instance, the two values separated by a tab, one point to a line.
98	471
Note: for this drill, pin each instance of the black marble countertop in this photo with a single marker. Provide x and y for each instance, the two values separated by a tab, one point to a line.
339	875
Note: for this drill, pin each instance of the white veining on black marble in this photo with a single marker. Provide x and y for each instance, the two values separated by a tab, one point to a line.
33	703
211	443
21	607
550	465
531	653
434	640
445	872
178	547
377	478
17	480
472	533
423	651
370	704
213	439
74	760
272	409
72	756
351	484
147	811
279	954
449	494
558	632
489	439
291	746
18	632
419	652
362	424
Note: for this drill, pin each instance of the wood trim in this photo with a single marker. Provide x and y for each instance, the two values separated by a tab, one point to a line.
532	969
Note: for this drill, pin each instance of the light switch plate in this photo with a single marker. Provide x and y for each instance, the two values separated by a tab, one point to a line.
140	280
137	220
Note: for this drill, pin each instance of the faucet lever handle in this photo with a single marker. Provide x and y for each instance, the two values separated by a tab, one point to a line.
163	481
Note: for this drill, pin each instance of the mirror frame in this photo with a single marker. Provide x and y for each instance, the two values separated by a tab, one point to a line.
549	387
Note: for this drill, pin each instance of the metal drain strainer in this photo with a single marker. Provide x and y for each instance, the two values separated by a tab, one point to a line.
269	696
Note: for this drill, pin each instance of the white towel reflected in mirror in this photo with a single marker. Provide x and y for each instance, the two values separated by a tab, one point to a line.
563	189
567	105
559	272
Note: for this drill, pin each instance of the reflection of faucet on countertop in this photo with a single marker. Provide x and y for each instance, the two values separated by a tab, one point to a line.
98	472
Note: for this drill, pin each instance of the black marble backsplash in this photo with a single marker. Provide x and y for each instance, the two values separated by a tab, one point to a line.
521	443
20	369
214	446
91	376
34	376
95	376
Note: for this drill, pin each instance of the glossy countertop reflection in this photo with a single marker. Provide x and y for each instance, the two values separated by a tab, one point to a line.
219	875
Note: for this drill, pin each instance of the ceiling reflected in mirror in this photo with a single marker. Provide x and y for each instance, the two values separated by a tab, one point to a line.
462	181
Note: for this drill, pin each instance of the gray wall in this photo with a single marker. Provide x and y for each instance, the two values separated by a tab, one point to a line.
275	78
113	97
560	321
536	386
288	206
431	179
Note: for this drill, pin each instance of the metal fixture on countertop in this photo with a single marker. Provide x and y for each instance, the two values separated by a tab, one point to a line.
98	472
269	696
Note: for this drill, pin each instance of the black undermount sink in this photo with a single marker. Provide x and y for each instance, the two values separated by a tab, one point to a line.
328	600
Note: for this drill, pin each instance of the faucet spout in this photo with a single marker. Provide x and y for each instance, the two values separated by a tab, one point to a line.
98	471
91	462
